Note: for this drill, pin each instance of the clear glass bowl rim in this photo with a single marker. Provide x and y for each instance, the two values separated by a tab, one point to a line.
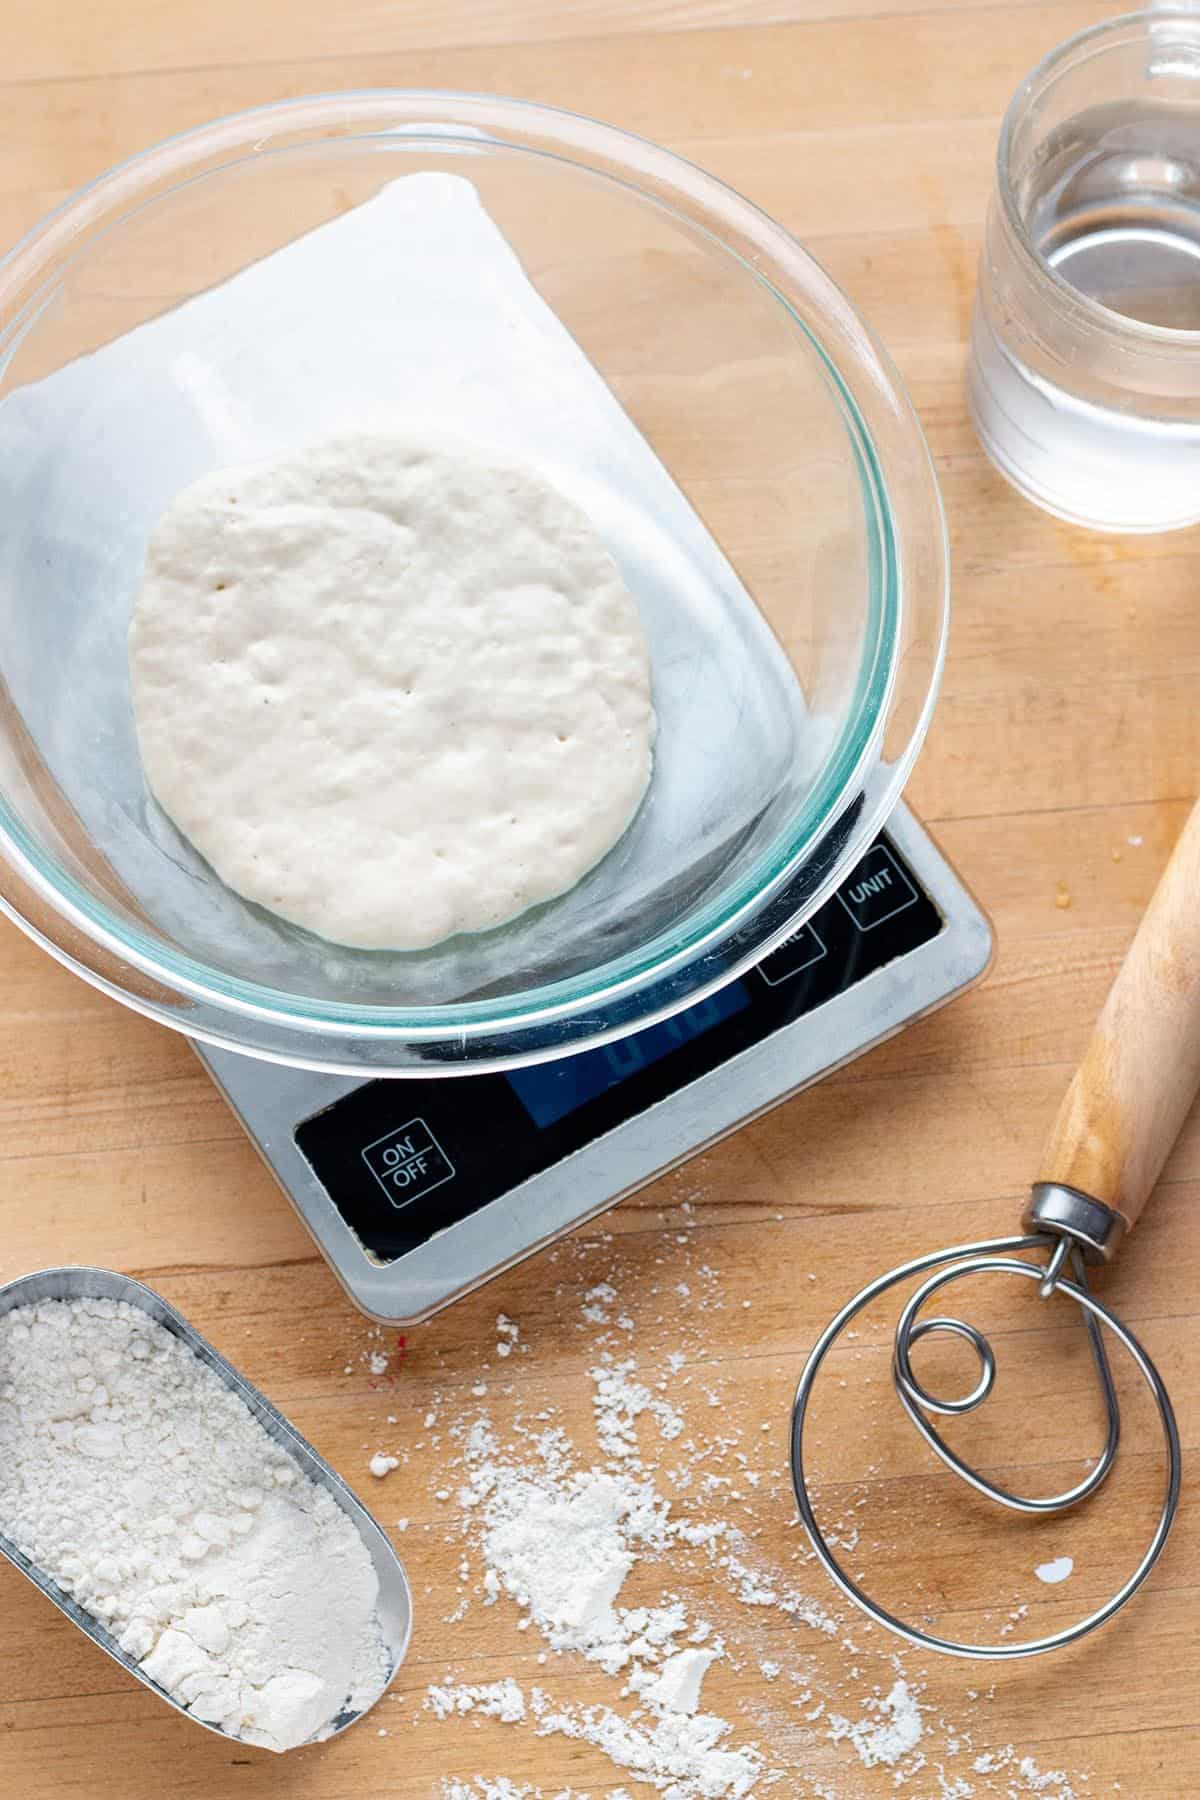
492	122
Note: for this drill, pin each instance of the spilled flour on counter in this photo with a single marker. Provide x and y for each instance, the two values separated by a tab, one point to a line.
488	1699
1058	1569
891	1729
482	1789
648	1575
149	1492
561	1542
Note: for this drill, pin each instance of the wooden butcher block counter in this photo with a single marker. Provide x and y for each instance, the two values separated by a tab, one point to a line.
663	1341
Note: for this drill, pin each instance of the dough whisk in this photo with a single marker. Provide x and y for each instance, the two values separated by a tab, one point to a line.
1115	1127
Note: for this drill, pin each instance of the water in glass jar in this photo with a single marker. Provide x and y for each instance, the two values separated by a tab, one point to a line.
1119	221
1111	203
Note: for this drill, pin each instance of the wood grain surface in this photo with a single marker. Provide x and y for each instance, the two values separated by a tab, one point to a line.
1061	764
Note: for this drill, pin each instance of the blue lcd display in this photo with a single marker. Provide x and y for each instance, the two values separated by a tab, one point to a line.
551	1091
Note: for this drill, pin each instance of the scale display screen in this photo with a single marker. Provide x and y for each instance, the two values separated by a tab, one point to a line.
550	1091
404	1159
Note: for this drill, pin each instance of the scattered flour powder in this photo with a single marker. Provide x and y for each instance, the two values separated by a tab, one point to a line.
677	1689
148	1491
490	1699
561	1543
567	1540
891	1729
500	1789
480	1789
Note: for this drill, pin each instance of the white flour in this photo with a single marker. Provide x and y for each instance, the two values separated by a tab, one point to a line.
501	1789
563	1553
490	1699
677	1689
605	1564
480	1789
1056	1570
684	1754
890	1730
619	1402
561	1543
147	1490
684	1758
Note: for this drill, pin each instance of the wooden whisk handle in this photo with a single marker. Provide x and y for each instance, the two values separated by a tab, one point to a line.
1135	1086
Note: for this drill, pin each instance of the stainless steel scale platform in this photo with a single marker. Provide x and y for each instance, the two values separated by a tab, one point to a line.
417	1190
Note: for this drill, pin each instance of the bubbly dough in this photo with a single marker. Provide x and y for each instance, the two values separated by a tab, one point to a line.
391	687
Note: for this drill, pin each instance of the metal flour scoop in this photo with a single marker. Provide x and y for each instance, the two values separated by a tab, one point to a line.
395	1597
1115	1127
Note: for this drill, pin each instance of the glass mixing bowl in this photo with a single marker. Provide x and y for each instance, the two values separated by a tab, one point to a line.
541	282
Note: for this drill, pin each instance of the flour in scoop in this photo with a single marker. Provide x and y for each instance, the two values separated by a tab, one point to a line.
134	1478
392	688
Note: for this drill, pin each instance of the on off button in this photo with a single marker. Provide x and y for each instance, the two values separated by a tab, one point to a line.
408	1162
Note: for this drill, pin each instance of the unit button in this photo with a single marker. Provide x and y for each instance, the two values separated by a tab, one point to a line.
877	890
408	1162
792	957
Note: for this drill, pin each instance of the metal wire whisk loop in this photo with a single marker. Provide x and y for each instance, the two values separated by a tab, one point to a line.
998	1256
917	1401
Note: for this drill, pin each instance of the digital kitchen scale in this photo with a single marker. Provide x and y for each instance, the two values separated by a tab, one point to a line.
418	1190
